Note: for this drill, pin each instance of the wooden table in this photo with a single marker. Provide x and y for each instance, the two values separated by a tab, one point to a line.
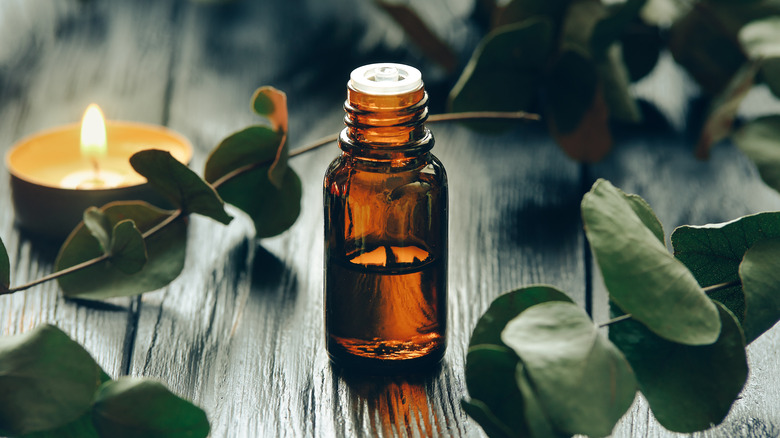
240	332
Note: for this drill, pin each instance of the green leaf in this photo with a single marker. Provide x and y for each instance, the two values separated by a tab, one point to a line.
641	47
165	250
487	421
5	268
640	274
759	39
179	184
82	427
724	108
582	381
689	388
490	378
506	307
615	81
98	225
128	250
504	72
645	214
702	42
577	112
713	253
760	141
579	24
273	210
760	274
535	415
133	407
609	29
46	380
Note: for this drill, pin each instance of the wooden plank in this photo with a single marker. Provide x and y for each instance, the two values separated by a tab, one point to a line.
241	332
56	58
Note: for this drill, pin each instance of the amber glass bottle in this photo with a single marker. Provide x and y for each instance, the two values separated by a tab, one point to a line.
386	229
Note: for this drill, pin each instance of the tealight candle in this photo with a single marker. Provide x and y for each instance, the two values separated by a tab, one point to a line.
58	173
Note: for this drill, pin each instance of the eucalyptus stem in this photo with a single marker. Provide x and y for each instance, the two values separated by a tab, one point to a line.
707	290
176	214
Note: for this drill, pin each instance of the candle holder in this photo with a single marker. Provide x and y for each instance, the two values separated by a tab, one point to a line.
43	166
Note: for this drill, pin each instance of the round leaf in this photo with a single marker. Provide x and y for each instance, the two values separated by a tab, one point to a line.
165	250
506	307
582	381
46	380
760	141
142	408
273	210
490	424
82	427
271	103
255	144
490	378
640	274
760	274
98	225
504	71
128	251
689	388
713	254
179	184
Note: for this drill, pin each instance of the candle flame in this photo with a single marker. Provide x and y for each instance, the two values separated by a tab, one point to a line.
93	133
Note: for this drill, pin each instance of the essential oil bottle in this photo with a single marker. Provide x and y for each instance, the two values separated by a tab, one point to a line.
386	219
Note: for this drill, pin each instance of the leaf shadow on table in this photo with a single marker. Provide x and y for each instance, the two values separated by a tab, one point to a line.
272	276
399	405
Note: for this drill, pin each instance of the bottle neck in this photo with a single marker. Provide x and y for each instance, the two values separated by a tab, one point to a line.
386	127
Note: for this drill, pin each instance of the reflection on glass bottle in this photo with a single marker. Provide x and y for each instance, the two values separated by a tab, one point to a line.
385	228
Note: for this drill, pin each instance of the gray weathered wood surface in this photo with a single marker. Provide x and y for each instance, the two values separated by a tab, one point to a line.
240	331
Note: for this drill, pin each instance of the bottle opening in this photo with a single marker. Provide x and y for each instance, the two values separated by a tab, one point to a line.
385	79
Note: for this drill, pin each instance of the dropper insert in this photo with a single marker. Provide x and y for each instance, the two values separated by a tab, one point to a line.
385	79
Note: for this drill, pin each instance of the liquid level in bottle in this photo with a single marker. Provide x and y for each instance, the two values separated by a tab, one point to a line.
385	307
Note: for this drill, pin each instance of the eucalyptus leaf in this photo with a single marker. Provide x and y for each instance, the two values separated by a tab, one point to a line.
506	307
615	82
758	140
582	381
724	108
702	42
252	145
179	184
535	415
609	29
492	426
5	268
272	104
641	46
165	250
759	39
490	377
689	388
640	274
504	72
82	427
141	408
714	252
128	250
760	274
645	214
579	24
576	109
47	380
273	210
98	225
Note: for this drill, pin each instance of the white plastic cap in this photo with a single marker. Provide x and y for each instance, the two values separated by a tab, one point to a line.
385	79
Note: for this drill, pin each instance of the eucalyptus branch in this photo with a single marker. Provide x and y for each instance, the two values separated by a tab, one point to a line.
176	214
707	290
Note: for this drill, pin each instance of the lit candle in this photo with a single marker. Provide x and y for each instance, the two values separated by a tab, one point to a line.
58	173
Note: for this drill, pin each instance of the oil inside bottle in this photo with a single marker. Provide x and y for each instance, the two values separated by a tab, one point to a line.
399	291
